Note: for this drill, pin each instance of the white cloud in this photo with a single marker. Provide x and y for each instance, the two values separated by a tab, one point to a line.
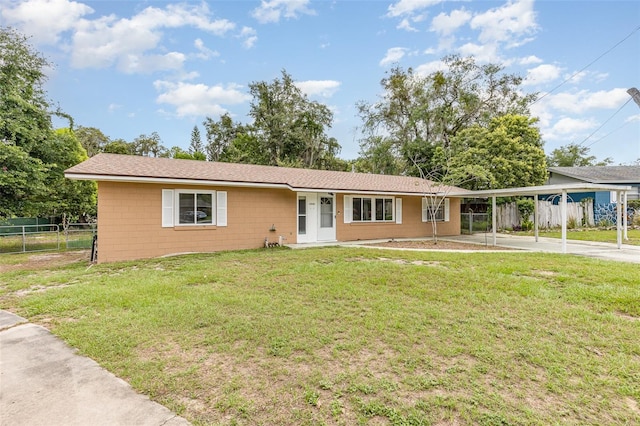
541	74
578	77
632	119
571	126
446	24
408	7
273	10
113	107
405	24
146	64
583	100
529	60
199	99
487	52
250	37
429	67
109	40
394	54
131	44
324	88
204	51
506	23
181	15
44	20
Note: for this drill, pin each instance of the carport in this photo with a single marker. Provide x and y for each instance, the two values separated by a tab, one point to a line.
563	189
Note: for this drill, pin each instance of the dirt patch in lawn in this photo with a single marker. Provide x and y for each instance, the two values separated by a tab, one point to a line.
440	245
46	260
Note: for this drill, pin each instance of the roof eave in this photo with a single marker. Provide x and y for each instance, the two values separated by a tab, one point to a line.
200	182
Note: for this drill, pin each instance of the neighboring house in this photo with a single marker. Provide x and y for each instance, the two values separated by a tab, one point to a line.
149	207
606	175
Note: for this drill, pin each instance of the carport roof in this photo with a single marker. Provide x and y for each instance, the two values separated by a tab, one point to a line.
542	189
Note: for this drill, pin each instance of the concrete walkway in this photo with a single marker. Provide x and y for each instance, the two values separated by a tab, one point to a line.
44	382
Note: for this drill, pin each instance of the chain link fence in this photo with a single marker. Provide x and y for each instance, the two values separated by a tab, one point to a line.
46	237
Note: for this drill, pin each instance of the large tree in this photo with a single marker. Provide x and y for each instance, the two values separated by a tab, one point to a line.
149	145
22	182
33	156
220	135
92	139
196	145
506	153
25	120
290	127
574	155
73	199
417	113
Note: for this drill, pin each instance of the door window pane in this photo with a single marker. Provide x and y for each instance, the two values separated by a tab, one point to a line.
302	215
326	212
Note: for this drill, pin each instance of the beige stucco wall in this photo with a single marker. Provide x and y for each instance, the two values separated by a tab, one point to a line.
411	226
130	222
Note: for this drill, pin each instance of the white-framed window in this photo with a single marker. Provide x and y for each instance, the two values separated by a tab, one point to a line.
372	209
441	209
189	207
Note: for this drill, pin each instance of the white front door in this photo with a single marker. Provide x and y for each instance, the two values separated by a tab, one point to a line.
316	217
326	217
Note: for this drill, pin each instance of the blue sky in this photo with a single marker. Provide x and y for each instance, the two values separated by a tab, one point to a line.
135	67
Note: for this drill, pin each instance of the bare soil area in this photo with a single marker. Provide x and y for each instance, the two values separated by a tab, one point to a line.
45	260
440	245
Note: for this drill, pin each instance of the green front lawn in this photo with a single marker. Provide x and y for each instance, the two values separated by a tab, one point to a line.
604	235
355	336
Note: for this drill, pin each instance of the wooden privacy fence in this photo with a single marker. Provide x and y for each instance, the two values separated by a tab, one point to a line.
549	215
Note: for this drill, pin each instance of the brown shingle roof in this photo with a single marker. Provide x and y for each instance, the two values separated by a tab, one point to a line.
129	167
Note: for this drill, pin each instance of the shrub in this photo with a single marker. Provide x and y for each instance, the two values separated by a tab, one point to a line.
573	223
527	225
605	223
526	208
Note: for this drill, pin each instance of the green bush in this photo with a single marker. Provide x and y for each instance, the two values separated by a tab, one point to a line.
527	225
526	207
573	223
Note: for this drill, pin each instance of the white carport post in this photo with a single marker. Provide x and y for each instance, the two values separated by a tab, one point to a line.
625	218
563	218
493	219
619	218
535	216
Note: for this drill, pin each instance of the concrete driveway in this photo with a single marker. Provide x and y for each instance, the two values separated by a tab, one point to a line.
45	382
606	251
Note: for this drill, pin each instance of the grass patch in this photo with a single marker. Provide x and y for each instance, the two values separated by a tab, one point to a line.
598	235
344	336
